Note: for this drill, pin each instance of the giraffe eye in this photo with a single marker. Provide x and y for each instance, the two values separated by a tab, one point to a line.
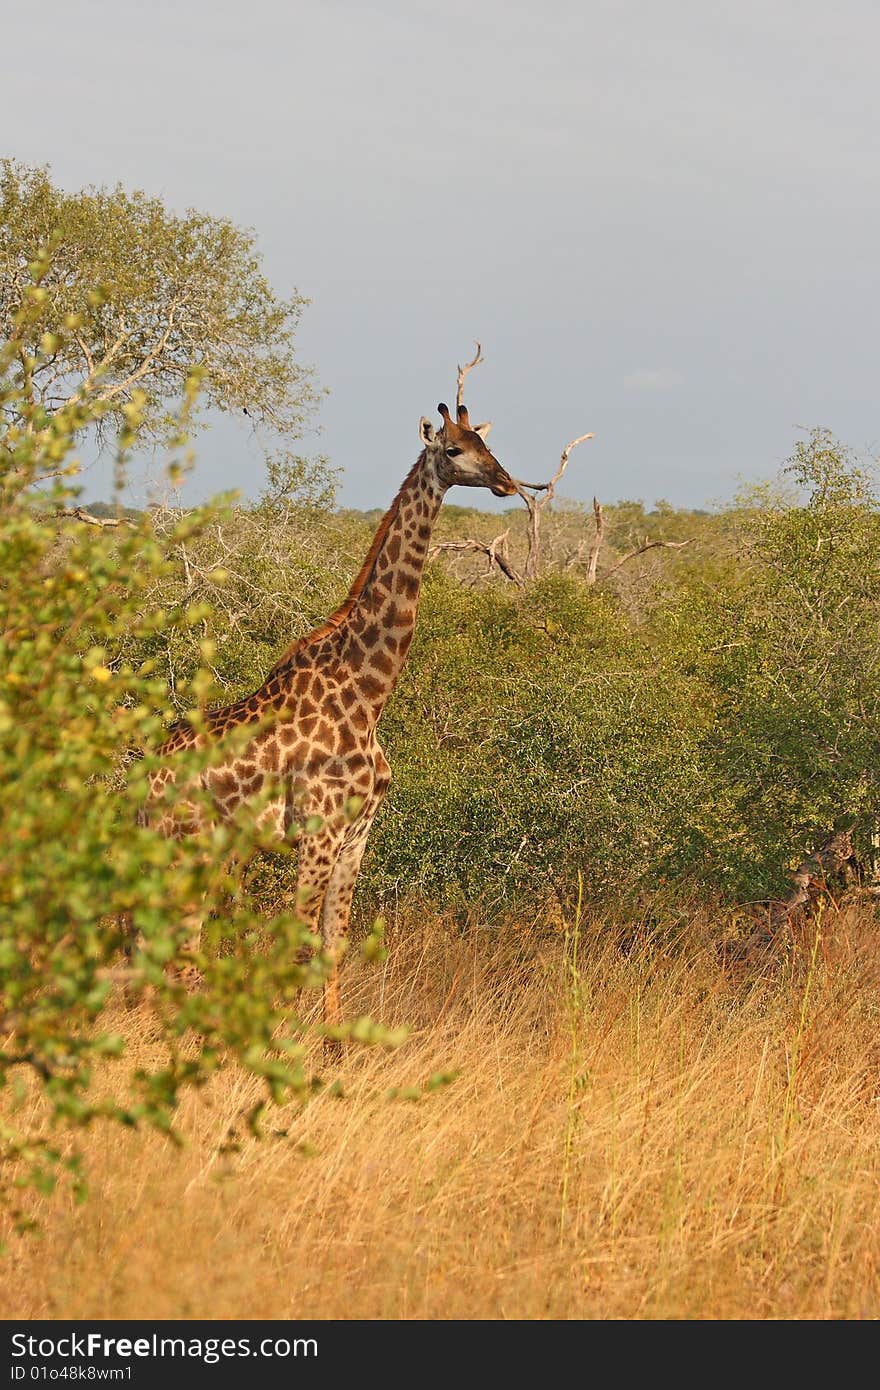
453	452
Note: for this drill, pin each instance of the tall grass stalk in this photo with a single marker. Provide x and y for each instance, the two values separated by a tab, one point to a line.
574	1009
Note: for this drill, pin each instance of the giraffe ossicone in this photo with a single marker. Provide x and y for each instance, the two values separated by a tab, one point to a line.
315	756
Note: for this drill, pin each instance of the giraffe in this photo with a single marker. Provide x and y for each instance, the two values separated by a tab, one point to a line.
315	753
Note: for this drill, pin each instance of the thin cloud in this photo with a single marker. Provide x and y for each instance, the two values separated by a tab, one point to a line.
653	379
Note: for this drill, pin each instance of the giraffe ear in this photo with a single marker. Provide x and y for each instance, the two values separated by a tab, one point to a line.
482	430
426	430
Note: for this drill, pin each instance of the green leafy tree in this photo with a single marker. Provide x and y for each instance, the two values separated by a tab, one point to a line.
703	734
534	736
143	297
89	905
793	661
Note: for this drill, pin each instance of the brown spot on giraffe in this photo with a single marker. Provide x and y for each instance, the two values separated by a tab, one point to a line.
347	739
408	583
224	782
373	687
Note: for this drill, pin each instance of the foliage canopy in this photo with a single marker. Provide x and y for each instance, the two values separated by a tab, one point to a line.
142	296
89	905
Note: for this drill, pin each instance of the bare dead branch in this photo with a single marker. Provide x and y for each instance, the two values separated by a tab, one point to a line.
536	507
809	883
550	487
187	572
593	561
533	533
643	550
809	878
496	553
463	371
80	514
525	490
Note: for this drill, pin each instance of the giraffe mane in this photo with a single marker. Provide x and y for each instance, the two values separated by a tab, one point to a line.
338	617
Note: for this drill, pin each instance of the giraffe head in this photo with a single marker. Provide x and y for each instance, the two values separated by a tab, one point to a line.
459	454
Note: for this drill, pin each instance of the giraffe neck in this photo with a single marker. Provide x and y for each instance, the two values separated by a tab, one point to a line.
377	620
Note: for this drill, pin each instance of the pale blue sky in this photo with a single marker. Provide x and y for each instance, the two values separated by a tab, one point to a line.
661	217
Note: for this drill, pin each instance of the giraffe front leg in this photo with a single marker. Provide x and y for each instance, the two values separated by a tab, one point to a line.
183	969
187	971
335	918
318	854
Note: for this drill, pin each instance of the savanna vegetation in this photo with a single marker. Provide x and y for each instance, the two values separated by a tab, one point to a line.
607	758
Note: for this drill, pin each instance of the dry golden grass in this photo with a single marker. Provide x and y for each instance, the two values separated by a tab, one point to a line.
645	1137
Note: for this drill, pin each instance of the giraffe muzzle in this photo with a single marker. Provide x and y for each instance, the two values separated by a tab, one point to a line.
504	486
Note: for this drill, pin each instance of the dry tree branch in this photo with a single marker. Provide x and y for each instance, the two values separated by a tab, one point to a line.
563	463
80	514
550	487
810	880
536	507
463	371
593	561
644	548
496	553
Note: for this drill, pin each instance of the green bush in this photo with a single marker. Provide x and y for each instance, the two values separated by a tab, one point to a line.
533	738
706	736
789	652
88	902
